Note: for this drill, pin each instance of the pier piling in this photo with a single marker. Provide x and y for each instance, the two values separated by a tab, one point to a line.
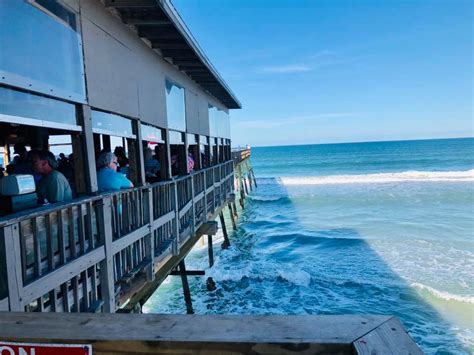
232	216
186	290
210	250
226	242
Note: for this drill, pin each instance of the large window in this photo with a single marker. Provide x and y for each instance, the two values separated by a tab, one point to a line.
219	124
40	48
34	110
110	124
175	107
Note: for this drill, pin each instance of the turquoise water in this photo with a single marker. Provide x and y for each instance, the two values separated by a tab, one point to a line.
380	228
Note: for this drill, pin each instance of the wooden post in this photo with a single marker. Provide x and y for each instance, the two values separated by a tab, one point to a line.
135	152
149	239
84	156
175	243
107	265
11	252
186	291
167	162
245	186
254	180
226	242
235	209
232	217
210	250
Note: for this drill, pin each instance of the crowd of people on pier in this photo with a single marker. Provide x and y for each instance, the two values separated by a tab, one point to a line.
54	177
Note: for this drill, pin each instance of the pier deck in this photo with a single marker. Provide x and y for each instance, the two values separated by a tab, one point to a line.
212	334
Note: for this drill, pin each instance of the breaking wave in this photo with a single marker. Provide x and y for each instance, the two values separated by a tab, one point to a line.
459	176
443	295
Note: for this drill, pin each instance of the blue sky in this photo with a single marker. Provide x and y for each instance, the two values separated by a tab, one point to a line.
340	71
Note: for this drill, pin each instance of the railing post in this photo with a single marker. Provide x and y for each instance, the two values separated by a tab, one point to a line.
107	282
149	239
11	252
175	244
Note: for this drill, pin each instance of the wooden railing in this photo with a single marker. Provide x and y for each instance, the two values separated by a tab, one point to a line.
80	256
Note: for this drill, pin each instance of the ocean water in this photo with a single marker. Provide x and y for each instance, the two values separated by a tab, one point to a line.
379	228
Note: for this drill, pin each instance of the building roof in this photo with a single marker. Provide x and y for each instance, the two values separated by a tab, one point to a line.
158	22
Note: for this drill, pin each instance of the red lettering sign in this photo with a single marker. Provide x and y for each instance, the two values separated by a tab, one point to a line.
7	348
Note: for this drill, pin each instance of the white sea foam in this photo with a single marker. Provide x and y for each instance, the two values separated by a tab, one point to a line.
442	294
460	176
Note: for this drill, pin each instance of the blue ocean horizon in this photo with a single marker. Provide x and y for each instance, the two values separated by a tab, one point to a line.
375	227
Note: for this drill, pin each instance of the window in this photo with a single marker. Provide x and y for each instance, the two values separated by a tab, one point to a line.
175	107
110	124
46	31
218	122
36	110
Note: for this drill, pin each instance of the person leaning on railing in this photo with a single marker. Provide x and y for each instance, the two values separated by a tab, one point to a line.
108	179
53	185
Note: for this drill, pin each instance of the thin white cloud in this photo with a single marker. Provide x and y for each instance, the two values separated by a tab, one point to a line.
323	54
286	69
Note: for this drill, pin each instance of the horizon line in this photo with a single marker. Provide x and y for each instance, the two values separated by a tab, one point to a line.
355	142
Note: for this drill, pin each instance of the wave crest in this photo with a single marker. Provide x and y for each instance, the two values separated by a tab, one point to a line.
443	295
457	176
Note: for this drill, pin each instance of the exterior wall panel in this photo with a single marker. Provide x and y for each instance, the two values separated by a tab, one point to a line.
127	77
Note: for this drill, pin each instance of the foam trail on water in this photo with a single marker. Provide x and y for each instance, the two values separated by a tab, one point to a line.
459	176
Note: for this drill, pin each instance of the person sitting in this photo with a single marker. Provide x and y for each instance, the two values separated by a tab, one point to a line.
190	163
152	166
20	163
108	179
53	186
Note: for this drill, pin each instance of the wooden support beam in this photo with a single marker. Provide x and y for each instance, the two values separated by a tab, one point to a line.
186	291
210	251
226	242
131	3
84	155
188	273
235	209
143	21
254	180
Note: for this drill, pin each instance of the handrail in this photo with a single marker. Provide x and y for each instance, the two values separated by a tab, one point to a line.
63	257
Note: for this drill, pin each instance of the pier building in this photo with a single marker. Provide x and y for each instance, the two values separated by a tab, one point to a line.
83	77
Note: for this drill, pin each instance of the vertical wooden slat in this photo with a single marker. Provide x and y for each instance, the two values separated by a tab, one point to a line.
93	276
85	291
49	241
23	250
72	232
81	229
61	241
89	229
65	297
37	247
11	254
52	300
40	304
106	266
75	292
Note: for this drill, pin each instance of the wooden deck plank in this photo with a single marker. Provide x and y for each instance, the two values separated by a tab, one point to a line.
388	338
310	329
